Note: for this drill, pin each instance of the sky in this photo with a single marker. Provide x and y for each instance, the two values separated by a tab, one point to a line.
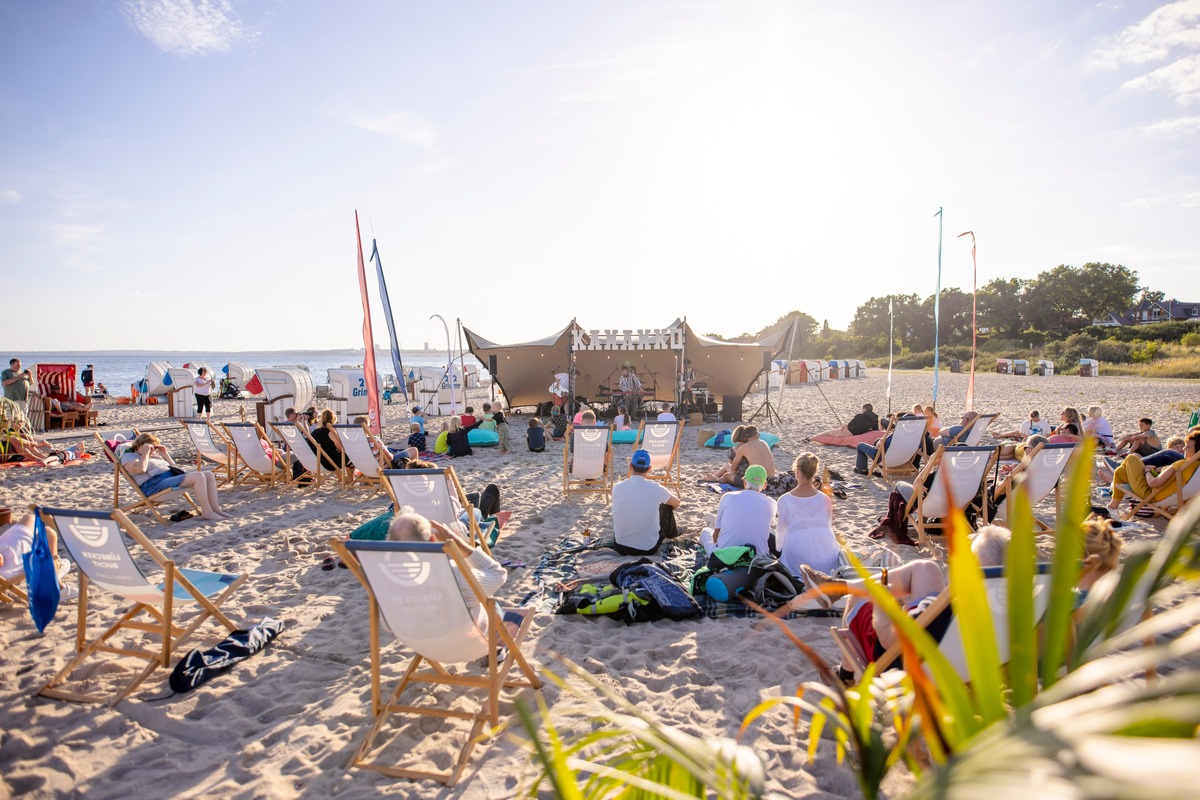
183	174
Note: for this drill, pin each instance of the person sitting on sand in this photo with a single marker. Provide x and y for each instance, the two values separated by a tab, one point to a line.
1096	425
743	518
535	436
621	420
467	418
643	510
1153	483
556	428
417	419
1144	443
458	440
416	437
17	540
1034	426
750	451
862	422
805	529
150	465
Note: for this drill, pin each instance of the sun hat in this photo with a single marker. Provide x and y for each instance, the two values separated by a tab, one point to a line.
755	475
640	459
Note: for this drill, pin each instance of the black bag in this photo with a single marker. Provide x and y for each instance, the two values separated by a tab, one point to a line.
771	585
177	470
199	667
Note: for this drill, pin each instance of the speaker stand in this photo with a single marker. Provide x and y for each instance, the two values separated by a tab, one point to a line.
767	409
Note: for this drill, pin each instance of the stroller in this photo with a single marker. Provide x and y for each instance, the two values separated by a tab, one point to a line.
229	389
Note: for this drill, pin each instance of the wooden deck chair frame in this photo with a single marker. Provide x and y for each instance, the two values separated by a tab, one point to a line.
358	438
853	653
142	501
241	467
295	435
454	494
664	470
1026	469
495	680
588	436
179	585
904	465
972	433
11	591
208	447
916	509
1173	503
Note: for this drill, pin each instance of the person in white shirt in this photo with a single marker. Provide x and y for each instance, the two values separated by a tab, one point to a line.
805	534
18	540
665	415
1098	426
743	518
204	386
643	510
1034	426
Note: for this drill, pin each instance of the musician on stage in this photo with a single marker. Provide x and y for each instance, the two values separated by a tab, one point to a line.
631	389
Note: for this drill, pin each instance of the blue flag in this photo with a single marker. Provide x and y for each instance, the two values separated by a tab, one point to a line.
397	364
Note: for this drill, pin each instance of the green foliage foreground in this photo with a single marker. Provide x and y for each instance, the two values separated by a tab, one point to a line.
1068	716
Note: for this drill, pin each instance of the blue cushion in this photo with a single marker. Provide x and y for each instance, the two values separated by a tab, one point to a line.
624	437
478	437
727	441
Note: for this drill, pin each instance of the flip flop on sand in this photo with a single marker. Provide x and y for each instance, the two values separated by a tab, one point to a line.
328	563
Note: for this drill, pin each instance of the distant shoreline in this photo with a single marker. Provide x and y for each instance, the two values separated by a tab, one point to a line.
131	353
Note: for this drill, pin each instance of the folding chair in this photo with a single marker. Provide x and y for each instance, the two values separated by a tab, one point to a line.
907	441
142	501
95	542
951	644
960	474
262	461
366	466
972	433
421	590
436	495
303	448
1040	473
587	461
1172	502
208	449
11	591
661	440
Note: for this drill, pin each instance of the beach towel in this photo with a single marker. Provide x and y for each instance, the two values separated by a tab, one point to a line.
870	437
200	666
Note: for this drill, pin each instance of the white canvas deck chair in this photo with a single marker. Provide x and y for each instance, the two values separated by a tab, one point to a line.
587	462
141	500
436	495
1040	474
951	644
208	449
661	440
1171	504
249	452
367	466
418	590
972	433
895	457
302	448
10	589
96	542
960	474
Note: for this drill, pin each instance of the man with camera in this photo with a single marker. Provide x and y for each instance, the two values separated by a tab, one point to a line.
16	383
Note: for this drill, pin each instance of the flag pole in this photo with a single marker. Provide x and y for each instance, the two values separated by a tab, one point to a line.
937	302
891	339
397	361
369	377
974	291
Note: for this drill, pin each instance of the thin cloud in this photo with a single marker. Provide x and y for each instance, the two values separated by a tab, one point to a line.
10	197
188	27
1173	128
405	126
1167	29
1185	198
1180	78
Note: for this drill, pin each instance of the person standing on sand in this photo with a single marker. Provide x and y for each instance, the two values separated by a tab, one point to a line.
204	386
16	384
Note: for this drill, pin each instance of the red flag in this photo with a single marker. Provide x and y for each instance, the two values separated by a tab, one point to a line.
254	385
369	376
974	292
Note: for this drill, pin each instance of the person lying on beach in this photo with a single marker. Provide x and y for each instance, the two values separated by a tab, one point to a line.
865	420
1153	483
1144	443
29	447
643	510
1034	426
59	406
743	518
151	467
17	540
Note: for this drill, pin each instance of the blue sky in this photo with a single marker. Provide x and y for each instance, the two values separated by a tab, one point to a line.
184	174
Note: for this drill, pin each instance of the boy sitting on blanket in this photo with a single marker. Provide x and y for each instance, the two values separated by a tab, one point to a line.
643	510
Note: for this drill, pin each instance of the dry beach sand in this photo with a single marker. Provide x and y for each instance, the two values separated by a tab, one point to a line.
285	723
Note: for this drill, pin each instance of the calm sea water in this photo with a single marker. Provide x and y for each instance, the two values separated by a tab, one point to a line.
118	371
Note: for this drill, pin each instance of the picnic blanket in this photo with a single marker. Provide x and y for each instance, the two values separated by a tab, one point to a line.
870	437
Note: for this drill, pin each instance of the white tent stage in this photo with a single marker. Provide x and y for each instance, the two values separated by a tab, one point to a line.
526	370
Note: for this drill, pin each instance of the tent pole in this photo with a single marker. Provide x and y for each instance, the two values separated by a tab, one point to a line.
462	364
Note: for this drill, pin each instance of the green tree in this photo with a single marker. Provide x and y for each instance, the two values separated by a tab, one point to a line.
1106	287
954	319
1064	296
1002	306
870	325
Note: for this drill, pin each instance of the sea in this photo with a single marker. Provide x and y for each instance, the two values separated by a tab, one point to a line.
117	370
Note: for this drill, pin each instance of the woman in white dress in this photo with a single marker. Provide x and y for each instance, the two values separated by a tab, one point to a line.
805	531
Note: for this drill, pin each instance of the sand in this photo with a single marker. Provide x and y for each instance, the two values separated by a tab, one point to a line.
286	722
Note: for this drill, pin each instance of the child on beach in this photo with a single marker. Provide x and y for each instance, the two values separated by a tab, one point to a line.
536	436
556	428
488	423
417	419
501	430
416	437
468	418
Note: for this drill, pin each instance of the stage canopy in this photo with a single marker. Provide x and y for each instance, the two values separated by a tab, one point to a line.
525	371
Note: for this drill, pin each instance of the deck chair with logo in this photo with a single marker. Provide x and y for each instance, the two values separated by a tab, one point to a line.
895	457
303	448
250	458
1167	504
419	591
972	433
661	440
958	475
1041	473
951	644
113	444
587	461
437	495
97	543
208	449
366	466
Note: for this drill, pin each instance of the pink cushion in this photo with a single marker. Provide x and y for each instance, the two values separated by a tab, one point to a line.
870	437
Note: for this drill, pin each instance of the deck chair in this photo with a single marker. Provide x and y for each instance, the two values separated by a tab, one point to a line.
204	438
587	462
908	441
96	542
247	440
366	466
661	440
303	448
1173	503
418	589
141	500
951	644
436	495
1041	474
972	433
11	591
960	474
